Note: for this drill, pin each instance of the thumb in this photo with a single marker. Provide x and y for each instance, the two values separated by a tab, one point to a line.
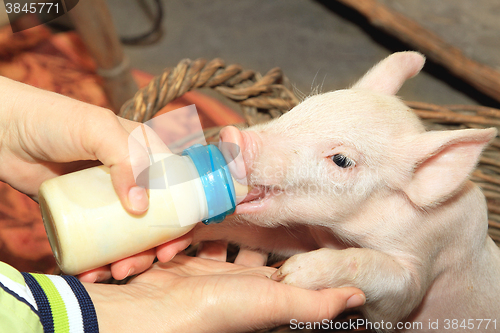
143	147
325	304
126	158
295	304
129	177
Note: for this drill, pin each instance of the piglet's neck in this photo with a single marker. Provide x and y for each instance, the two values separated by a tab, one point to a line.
390	223
459	217
468	264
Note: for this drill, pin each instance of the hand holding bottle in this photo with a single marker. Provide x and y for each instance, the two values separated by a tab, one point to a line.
44	135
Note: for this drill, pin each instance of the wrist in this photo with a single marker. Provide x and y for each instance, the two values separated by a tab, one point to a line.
107	302
8	97
119	308
138	308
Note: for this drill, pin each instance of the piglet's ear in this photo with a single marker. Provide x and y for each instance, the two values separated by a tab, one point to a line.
389	75
442	162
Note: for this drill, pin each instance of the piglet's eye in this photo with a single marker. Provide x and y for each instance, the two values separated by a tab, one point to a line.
342	161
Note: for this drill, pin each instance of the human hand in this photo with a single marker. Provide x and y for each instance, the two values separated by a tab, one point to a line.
198	295
44	135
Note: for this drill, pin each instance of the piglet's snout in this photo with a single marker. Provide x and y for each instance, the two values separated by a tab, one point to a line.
238	148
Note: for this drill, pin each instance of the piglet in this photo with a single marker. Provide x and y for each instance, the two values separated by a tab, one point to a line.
351	186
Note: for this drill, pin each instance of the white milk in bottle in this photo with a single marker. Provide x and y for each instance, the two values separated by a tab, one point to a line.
88	227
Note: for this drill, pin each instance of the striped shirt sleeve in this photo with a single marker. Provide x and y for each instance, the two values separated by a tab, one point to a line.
61	303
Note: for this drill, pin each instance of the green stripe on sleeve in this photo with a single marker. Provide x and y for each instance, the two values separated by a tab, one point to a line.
59	312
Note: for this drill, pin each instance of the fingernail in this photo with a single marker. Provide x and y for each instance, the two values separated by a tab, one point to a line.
138	199
355	300
130	272
173	256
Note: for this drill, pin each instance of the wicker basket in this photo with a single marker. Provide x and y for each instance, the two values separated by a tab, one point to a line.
265	97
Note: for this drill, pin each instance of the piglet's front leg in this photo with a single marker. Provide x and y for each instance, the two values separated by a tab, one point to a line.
391	289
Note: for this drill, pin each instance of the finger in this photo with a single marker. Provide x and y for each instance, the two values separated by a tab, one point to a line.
103	136
167	251
214	250
308	305
354	297
126	177
96	275
141	140
133	265
251	258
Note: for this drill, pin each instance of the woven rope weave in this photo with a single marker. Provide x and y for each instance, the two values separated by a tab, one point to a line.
251	90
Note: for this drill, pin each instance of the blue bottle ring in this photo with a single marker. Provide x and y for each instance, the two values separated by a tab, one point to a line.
216	180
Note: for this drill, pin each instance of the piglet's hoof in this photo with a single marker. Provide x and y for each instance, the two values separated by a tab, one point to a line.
323	268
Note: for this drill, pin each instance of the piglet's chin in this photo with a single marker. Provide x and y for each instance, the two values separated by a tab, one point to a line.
259	199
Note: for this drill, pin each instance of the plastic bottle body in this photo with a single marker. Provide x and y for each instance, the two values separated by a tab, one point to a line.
88	227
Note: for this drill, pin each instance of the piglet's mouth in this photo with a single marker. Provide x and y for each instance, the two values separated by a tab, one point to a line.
257	199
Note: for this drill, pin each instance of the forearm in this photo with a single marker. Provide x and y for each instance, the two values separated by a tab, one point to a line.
8	95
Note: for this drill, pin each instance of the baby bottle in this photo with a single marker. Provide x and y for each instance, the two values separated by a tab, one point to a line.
88	227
